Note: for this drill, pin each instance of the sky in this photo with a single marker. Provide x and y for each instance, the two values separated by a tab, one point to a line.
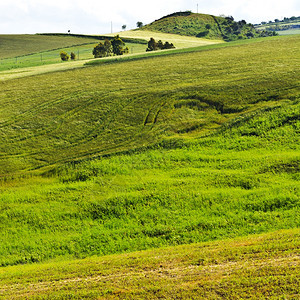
101	17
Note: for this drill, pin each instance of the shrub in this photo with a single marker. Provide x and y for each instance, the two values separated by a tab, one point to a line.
64	56
117	46
153	45
73	56
103	49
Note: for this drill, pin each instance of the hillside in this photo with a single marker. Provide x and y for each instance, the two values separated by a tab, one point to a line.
19	45
192	149
205	26
93	112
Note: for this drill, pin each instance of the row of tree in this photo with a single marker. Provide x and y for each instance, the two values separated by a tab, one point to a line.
65	56
153	45
114	47
117	47
284	20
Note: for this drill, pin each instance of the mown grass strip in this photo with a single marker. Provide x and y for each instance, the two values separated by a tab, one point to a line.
257	266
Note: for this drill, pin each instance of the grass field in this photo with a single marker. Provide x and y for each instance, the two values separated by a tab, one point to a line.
49	56
27	51
179	41
257	267
288	32
12	46
187	147
56	120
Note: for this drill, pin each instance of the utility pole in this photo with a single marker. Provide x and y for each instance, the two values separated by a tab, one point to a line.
111	27
197	7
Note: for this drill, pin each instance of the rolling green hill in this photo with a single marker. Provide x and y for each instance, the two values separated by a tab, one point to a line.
154	151
19	45
205	26
51	119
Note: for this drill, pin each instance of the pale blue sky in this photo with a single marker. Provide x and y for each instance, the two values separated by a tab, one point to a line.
96	16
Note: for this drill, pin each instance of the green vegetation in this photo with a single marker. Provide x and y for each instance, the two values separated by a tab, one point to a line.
170	187
153	45
282	27
243	180
23	51
66	122
186	146
12	46
64	56
206	26
258	266
114	47
102	49
82	52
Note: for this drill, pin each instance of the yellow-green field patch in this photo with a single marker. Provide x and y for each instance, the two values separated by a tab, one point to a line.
257	267
179	41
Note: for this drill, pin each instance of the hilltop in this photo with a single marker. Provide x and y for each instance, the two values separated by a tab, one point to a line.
205	26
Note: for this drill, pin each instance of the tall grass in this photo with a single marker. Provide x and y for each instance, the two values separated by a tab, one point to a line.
232	184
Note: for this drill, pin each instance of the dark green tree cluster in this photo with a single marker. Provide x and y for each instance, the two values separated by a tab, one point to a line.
102	49
115	47
64	56
232	30
153	45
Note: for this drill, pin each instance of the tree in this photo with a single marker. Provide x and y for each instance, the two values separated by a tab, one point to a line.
117	46
73	56
124	27
64	56
168	45
107	47
102	49
152	45
139	24
160	44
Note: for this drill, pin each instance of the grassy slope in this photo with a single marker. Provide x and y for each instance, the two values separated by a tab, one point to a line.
204	26
187	25
242	180
44	60
57	120
179	41
256	267
19	45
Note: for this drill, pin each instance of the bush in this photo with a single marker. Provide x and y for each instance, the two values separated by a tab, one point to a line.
117	46
103	49
73	56
64	56
153	45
